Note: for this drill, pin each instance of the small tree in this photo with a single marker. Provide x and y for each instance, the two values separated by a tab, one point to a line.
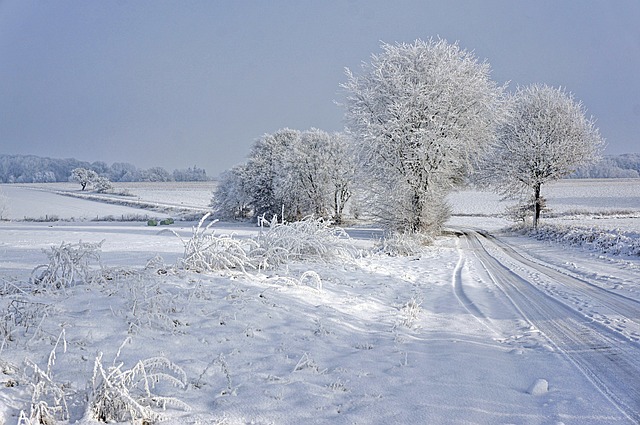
264	171
231	199
318	171
90	178
545	137
83	176
341	173
419	114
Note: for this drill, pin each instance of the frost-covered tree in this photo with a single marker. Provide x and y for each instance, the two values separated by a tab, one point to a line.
305	178
264	168
123	172
231	198
90	178
155	174
83	176
194	174
546	136
419	113
341	173
318	174
102	184
292	174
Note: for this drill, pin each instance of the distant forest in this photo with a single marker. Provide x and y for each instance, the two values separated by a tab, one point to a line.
611	167
35	169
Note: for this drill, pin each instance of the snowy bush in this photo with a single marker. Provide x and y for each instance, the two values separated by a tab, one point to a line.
613	242
130	394
310	239
69	264
403	244
102	184
206	251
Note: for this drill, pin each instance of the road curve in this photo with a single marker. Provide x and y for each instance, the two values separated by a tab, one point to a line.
608	357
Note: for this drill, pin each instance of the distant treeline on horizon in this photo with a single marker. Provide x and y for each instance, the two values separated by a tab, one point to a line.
35	169
626	165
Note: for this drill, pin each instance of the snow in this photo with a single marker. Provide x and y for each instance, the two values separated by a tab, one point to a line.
427	338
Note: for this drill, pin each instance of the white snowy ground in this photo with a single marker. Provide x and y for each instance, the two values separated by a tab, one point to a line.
430	338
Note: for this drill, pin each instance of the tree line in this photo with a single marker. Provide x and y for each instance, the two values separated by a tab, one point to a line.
35	169
422	118
611	167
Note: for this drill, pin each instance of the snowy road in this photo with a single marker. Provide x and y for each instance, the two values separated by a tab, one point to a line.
596	329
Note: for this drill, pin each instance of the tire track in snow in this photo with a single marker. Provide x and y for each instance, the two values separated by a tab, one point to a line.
615	311
605	357
461	296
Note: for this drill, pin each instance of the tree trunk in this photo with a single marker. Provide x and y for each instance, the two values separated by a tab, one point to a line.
536	205
337	209
416	220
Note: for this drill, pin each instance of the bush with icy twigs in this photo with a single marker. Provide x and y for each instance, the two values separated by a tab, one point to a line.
277	243
402	244
69	265
615	242
310	239
129	394
206	251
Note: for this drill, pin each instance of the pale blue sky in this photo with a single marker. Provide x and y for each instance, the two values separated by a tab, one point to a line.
183	83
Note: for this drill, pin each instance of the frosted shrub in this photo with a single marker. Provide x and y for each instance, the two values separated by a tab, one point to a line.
206	251
613	242
310	239
69	264
129	394
402	244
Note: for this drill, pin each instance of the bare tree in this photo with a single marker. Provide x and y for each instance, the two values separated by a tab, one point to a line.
546	136
419	113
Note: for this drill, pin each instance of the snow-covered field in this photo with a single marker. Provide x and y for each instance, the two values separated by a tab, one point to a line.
473	329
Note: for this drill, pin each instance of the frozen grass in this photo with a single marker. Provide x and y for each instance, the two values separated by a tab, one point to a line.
120	394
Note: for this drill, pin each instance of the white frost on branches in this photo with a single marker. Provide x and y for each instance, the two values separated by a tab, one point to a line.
291	172
546	135
419	114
